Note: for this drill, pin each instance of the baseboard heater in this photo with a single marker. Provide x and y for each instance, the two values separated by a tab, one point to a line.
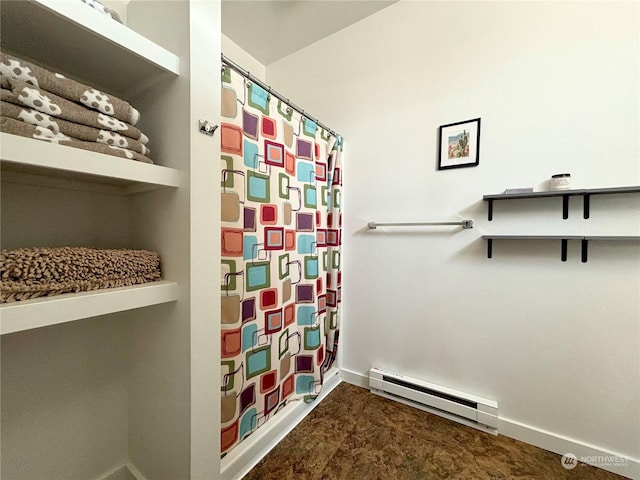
460	407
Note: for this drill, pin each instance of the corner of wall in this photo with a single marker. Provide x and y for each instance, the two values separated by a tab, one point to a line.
243	58
125	472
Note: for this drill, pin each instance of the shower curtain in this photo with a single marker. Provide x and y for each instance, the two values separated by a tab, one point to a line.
281	234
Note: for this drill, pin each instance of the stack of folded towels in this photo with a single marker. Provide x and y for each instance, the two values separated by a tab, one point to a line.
36	272
44	105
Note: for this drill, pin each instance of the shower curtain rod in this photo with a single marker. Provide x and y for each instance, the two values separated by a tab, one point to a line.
248	76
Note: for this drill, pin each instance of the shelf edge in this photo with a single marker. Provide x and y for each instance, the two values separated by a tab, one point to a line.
48	156
533	237
560	237
614	238
560	193
46	311
549	193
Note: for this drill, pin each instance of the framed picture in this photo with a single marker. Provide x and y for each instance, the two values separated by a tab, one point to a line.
459	144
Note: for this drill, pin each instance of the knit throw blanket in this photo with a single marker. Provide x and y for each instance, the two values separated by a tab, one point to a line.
35	272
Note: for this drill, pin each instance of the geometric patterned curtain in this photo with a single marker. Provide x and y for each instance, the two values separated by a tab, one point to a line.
281	233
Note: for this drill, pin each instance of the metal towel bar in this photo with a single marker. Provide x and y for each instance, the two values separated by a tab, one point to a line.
463	223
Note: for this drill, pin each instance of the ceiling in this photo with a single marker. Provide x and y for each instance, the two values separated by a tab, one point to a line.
270	30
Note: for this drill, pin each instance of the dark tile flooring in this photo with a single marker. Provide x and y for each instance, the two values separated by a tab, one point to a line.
355	435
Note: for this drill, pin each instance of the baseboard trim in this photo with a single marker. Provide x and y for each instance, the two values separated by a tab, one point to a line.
124	472
119	473
625	466
551	441
354	378
245	456
133	473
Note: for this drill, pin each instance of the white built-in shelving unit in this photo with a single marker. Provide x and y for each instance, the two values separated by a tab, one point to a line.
71	27
96	380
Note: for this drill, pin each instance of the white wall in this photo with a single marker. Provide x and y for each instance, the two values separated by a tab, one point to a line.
556	85
64	400
237	54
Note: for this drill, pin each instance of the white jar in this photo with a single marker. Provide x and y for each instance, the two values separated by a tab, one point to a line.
560	181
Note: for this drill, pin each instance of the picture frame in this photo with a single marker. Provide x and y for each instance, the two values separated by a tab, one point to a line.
459	144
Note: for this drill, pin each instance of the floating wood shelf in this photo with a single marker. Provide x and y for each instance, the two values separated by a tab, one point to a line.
564	240
565	194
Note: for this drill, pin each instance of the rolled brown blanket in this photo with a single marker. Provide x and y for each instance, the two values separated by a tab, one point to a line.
74	130
64	87
17	127
36	272
20	93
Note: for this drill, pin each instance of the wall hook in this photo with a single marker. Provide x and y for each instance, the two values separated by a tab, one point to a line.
207	128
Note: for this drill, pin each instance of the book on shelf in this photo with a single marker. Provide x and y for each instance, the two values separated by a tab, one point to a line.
510	191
